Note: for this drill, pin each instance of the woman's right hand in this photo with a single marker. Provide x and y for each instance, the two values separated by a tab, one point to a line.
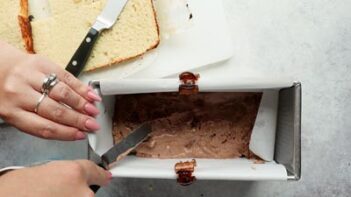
21	79
55	179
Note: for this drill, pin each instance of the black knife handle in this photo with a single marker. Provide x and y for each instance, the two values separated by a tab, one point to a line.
80	57
95	188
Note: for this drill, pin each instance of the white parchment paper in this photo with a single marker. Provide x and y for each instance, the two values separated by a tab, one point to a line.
262	140
132	86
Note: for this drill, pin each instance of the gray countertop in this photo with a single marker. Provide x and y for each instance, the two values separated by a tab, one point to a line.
308	41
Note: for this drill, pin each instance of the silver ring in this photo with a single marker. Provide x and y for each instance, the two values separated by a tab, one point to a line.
46	87
39	102
52	85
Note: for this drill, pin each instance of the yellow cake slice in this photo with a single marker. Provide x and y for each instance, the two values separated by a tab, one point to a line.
59	35
61	6
9	29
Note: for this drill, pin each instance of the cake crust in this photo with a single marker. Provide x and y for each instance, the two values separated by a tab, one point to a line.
25	26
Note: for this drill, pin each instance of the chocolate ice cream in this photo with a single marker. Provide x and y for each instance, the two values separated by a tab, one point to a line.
204	125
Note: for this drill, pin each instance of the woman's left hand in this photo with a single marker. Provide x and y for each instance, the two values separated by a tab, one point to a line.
66	113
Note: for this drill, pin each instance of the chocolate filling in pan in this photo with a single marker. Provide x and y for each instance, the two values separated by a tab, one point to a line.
203	125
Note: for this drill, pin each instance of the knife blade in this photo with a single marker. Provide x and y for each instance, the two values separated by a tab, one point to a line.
125	146
105	20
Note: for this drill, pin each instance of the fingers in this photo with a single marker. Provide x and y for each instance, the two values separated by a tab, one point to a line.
70	177
59	113
62	93
71	81
76	85
95	175
33	124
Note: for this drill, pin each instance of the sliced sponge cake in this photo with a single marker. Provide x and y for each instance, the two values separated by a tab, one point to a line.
9	28
59	35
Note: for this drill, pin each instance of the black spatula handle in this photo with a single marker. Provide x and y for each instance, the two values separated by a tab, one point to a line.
80	57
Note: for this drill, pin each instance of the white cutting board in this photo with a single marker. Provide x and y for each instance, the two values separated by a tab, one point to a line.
207	41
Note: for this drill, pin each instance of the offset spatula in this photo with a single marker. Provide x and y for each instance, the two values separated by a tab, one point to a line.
124	147
105	20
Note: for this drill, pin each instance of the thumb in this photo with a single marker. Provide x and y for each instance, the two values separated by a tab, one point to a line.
95	175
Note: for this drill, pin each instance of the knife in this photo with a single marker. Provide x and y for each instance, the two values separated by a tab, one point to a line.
124	147
105	20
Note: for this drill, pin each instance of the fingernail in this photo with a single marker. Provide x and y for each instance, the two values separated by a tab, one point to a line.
109	175
91	109
94	96
80	136
92	125
90	88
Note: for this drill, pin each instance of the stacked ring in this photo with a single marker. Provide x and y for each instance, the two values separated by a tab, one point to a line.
49	82
39	102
